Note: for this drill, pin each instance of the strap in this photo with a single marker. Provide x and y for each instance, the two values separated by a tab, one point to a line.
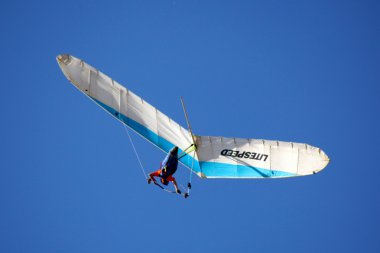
186	151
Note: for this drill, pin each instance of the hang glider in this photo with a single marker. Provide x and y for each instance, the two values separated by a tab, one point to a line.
215	157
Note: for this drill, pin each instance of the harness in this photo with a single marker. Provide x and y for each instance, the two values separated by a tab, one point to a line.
169	165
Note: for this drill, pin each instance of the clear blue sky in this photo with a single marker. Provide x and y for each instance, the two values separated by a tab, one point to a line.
303	71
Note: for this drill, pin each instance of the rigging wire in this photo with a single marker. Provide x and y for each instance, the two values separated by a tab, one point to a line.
143	170
137	155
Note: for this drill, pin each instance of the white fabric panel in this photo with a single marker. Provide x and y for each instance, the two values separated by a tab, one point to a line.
260	147
79	76
284	157
141	112
172	132
310	156
102	88
295	158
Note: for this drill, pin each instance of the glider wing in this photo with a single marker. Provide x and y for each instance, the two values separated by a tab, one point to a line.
127	107
215	157
221	157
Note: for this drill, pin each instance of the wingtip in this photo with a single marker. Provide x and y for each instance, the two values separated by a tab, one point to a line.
64	58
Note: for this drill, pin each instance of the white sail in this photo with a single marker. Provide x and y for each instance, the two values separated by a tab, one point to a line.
221	157
215	157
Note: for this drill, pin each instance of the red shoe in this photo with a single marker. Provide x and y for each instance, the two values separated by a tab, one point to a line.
149	180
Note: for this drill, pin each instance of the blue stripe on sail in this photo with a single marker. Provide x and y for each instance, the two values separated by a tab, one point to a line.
150	135
209	169
215	169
